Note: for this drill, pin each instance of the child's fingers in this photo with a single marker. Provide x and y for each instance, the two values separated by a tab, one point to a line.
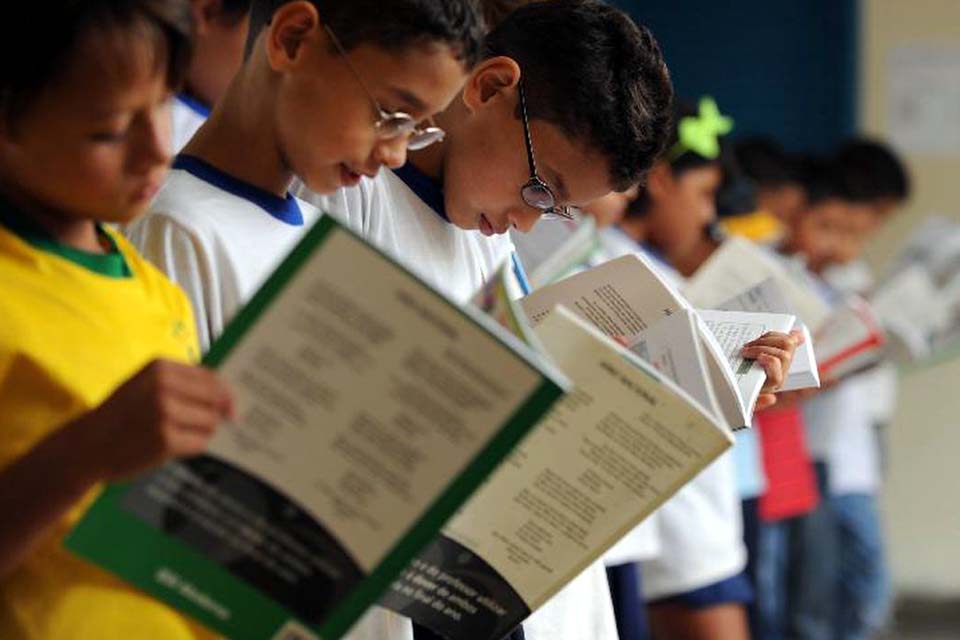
198	385
798	336
752	353
774	370
765	401
784	341
187	442
181	415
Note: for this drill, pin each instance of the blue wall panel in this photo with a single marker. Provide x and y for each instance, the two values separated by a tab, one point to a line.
787	68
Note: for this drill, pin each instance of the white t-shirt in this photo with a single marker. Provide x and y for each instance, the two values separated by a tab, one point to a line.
400	216
701	527
219	239
186	114
841	422
388	213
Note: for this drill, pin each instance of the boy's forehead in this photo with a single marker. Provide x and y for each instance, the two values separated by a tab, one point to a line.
101	79
424	78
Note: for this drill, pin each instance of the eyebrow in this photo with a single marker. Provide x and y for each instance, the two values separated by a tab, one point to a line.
558	182
409	101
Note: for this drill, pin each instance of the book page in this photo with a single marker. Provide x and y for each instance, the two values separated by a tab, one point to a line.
622	297
739	265
609	454
368	408
732	330
767	297
673	347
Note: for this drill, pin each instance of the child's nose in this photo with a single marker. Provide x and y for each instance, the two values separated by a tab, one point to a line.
392	153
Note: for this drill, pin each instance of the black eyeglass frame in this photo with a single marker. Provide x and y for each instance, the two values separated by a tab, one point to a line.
535	192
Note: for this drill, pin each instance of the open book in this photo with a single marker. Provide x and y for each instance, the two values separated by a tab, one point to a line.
612	451
626	296
370	408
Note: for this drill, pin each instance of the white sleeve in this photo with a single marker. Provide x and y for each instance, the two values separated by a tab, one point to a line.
181	254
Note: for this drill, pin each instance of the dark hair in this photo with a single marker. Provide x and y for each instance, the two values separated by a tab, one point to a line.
395	25
589	70
820	177
766	162
494	11
737	194
167	24
871	171
235	10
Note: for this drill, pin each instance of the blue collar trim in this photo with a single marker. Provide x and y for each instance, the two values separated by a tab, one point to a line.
194	104
285	210
426	188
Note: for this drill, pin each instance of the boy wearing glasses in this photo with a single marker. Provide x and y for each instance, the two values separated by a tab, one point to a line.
571	101
331	90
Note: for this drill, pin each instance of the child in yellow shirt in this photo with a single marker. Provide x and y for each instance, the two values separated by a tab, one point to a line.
94	342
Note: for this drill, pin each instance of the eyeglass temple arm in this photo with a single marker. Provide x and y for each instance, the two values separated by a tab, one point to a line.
353	70
526	131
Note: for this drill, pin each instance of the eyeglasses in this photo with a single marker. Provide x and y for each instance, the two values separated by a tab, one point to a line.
535	191
391	124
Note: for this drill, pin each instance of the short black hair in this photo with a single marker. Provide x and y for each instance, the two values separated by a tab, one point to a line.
494	11
235	10
821	180
871	171
167	24
588	69
395	25
766	162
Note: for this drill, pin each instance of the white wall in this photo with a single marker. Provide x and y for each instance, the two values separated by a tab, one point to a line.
921	501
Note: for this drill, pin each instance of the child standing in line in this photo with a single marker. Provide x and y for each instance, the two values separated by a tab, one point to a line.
570	102
94	342
325	97
696	586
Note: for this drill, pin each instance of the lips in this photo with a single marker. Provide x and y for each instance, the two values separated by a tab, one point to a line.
348	177
485	227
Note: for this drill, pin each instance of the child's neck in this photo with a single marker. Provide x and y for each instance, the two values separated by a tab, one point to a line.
635	228
76	232
235	140
687	262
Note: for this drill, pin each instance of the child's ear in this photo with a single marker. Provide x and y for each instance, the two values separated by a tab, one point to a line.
292	25
491	80
659	179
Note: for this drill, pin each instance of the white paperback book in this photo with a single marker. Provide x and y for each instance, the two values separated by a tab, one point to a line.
626	296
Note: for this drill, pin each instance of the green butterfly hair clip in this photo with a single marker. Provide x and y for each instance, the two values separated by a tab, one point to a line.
700	134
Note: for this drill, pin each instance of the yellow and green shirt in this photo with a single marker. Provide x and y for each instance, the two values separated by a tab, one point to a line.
73	327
